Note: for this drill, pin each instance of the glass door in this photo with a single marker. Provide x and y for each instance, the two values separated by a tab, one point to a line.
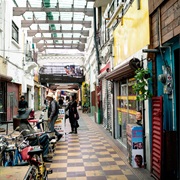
126	109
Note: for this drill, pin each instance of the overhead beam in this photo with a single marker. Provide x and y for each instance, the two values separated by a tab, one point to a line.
28	23
42	49
40	45
34	32
18	11
37	39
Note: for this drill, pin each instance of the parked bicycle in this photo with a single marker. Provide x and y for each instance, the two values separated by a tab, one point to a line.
10	150
24	154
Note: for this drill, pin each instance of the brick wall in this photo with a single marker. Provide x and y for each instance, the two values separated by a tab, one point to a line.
168	12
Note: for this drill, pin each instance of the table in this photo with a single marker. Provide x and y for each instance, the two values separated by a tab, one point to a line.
14	172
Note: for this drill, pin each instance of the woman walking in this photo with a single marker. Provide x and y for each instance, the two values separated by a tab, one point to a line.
72	107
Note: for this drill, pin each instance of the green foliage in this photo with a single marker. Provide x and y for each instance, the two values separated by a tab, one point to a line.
141	85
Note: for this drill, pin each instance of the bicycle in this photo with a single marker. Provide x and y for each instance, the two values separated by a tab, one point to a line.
10	153
30	155
33	155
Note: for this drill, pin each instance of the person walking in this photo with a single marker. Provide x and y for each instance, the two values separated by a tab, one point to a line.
53	111
23	104
72	107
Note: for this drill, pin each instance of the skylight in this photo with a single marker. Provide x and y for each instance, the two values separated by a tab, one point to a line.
62	22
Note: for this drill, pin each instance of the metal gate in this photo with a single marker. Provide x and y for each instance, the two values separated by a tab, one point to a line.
157	137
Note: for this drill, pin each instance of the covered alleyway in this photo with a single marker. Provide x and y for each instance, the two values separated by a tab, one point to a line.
92	154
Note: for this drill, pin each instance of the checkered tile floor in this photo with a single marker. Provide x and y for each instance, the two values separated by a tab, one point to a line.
89	155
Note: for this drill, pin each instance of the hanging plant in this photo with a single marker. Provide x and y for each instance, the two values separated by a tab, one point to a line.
141	85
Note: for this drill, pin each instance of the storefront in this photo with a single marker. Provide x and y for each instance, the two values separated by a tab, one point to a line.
124	100
126	108
3	96
106	98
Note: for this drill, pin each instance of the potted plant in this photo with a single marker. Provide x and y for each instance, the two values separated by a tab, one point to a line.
141	86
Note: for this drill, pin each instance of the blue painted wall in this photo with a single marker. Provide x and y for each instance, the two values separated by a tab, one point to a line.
167	56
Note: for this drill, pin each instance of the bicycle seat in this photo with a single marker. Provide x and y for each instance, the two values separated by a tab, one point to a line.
35	152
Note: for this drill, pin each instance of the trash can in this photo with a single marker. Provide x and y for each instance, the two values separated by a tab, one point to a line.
16	122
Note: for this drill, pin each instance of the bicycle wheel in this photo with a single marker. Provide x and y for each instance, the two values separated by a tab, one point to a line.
32	173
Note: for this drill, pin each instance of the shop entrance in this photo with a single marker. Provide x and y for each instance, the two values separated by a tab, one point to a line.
177	75
126	109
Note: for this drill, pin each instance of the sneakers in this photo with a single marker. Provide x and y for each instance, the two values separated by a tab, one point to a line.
73	132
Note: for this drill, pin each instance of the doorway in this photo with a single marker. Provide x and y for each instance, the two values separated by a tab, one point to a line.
177	75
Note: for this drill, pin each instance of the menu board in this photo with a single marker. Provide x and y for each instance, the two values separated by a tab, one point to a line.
60	123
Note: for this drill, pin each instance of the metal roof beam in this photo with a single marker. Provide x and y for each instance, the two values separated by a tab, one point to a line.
18	11
34	32
44	48
28	23
39	45
37	39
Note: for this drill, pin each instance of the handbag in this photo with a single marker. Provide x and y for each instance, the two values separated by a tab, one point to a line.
77	116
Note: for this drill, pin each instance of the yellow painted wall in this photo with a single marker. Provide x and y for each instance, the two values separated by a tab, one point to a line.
36	74
132	34
3	67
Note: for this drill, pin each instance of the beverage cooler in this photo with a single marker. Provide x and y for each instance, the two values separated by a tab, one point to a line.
135	145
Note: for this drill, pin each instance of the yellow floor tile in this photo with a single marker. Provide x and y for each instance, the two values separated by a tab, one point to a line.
57	175
117	177
91	163
94	173
75	160
111	167
75	169
106	159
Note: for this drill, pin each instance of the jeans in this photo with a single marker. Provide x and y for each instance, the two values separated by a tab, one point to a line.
43	140
51	125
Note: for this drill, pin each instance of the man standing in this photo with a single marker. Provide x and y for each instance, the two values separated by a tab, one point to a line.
53	111
139	117
22	103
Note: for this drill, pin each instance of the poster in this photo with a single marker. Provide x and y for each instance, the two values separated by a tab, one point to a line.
60	123
135	145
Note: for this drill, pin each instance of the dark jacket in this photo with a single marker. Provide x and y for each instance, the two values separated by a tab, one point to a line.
53	109
72	107
23	104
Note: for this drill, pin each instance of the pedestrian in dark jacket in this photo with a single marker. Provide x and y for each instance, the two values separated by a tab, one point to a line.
72	107
23	104
53	112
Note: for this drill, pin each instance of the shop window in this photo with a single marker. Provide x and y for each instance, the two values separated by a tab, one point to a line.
15	32
127	106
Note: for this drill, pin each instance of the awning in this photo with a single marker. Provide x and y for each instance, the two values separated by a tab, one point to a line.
103	71
121	72
5	78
